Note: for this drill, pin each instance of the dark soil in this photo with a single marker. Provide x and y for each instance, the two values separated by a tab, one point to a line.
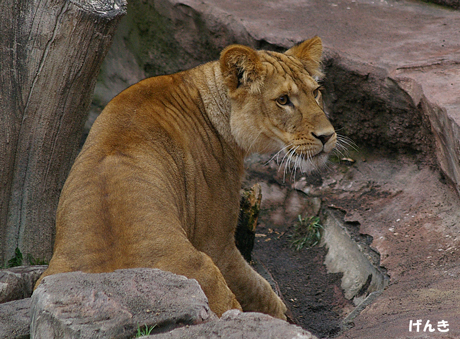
313	296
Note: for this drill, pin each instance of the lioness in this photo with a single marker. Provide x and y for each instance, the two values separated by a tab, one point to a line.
157	182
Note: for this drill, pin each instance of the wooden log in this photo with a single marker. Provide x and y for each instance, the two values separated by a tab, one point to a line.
51	53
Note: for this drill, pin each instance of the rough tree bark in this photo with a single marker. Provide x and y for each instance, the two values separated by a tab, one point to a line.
50	55
247	221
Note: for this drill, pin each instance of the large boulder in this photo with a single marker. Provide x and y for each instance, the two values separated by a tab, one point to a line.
115	305
235	324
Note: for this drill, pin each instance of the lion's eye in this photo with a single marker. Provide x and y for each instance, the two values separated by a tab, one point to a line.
317	92
283	100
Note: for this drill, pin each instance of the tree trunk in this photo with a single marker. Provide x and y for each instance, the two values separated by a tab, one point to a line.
51	53
247	221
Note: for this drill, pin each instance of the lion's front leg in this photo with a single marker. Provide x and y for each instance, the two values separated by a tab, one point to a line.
252	291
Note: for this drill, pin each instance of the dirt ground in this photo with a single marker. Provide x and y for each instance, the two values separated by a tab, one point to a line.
314	297
406	211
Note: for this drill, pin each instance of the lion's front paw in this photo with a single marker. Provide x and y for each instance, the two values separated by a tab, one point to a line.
280	310
273	306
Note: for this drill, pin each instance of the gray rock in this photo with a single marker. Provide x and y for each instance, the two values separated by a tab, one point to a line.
235	324
15	319
114	305
18	282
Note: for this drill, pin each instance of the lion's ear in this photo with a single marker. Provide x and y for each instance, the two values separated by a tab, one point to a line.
241	66
309	52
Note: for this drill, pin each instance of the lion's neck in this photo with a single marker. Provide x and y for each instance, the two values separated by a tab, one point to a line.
213	93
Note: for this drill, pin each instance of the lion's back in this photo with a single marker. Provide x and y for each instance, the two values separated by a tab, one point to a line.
135	165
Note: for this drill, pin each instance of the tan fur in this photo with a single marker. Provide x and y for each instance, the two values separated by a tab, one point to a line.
157	181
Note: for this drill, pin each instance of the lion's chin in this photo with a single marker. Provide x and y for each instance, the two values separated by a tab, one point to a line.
295	163
311	164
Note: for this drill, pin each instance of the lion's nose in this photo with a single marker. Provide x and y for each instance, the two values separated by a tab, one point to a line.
324	138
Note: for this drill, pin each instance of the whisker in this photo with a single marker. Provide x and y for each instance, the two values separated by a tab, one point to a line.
285	155
297	162
338	152
277	153
294	160
288	161
343	146
314	168
346	142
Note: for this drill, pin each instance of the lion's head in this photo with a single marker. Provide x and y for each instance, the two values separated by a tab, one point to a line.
277	103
